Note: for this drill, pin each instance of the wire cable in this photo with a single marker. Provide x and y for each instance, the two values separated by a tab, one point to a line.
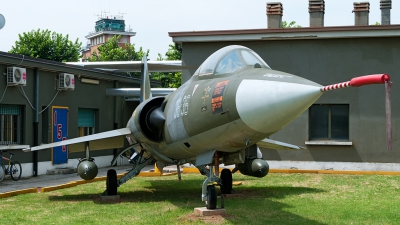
3	94
50	102
23	56
26	97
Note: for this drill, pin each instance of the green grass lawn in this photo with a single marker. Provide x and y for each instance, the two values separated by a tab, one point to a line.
274	199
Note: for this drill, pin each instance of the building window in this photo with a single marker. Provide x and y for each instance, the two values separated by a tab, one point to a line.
86	121
329	122
11	117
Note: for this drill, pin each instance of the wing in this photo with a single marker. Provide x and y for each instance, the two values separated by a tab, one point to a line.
135	66
135	92
143	66
104	140
272	144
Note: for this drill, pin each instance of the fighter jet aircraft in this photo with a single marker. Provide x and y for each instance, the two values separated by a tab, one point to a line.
222	115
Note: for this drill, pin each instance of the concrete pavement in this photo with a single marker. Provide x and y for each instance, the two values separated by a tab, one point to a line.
8	184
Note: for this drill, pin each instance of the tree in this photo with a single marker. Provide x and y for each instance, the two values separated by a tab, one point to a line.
290	25
111	51
49	45
174	79
174	52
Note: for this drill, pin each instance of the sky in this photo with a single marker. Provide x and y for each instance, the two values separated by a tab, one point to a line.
153	19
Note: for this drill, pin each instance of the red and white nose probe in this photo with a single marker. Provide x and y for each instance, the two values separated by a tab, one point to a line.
366	80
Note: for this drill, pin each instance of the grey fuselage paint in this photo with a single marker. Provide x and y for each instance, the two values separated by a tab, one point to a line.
231	111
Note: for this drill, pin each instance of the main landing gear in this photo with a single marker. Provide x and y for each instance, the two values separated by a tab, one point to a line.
209	193
226	181
112	181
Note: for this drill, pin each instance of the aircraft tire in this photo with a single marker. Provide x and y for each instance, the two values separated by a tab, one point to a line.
226	181
211	197
111	182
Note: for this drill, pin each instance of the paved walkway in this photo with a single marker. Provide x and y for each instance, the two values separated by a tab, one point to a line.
51	180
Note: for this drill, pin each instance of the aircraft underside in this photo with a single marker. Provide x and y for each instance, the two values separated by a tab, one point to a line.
248	161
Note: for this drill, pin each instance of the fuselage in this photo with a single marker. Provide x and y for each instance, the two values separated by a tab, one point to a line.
232	101
228	113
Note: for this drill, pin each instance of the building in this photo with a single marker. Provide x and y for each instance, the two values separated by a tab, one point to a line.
326	55
107	27
45	101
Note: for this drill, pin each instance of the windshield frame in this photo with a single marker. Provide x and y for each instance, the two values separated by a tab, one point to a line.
209	67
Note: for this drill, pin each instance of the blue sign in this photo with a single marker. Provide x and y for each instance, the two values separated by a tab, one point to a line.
60	133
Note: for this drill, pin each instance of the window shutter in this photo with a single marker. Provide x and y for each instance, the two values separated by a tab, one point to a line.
86	117
10	110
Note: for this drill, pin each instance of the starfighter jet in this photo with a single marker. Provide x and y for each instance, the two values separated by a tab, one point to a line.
222	115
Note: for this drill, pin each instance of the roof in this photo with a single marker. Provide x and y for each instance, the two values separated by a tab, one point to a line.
112	32
53	66
287	33
135	66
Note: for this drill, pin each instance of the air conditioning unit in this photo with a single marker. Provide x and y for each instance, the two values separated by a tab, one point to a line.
66	81
16	76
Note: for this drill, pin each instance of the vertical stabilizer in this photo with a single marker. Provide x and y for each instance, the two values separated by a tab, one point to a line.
145	89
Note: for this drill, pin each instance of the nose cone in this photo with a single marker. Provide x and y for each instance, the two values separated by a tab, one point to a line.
267	106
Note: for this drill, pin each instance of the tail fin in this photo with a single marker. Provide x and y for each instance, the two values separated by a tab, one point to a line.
145	88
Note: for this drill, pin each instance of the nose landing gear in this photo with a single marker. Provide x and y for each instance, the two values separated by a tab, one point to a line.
211	202
209	193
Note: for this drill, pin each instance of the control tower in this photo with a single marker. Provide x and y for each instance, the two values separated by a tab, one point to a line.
106	27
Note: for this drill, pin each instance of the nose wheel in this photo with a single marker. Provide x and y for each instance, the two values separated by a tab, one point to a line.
209	194
211	202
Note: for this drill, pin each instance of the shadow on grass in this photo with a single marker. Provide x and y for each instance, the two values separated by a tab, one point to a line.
254	205
169	190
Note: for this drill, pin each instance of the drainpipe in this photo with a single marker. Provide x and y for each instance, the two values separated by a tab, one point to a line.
316	8
274	14
116	115
386	5
361	13
36	123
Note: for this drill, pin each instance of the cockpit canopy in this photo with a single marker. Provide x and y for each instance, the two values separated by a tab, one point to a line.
230	59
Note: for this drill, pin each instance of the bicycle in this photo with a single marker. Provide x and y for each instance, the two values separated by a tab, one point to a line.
13	168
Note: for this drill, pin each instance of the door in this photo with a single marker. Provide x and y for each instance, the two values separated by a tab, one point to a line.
60	133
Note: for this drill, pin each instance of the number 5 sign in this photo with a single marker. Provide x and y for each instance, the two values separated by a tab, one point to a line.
60	133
